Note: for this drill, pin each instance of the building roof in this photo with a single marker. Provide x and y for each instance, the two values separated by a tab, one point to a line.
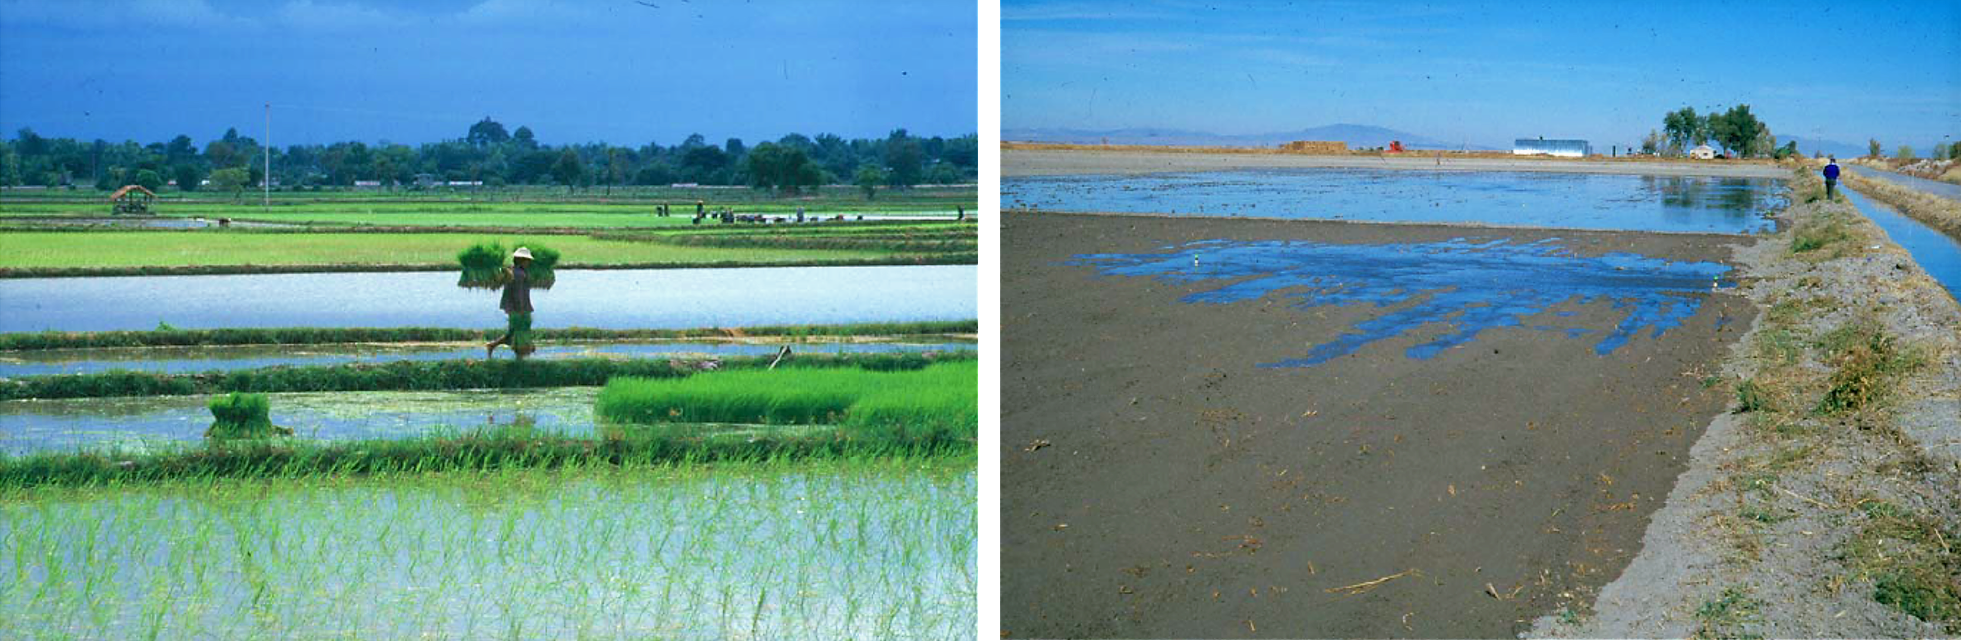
129	188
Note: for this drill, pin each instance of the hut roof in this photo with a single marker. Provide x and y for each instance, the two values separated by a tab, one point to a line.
129	188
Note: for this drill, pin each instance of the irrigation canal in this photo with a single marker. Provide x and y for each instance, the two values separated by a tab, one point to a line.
1936	252
1935	187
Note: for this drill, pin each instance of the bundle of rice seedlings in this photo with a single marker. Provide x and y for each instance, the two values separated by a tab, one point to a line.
242	416
484	265
543	261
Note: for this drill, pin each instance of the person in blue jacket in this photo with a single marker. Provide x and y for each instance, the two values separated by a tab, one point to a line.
1831	178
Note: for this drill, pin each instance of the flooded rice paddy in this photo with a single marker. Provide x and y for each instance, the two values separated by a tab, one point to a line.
1537	199
612	299
178	360
153	423
1465	286
839	550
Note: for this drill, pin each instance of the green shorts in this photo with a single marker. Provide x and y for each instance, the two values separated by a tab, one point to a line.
519	329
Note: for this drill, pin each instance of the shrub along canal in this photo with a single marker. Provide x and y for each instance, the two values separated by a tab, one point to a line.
581	298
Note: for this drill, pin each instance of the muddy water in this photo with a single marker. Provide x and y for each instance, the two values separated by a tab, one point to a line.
1468	286
149	423
204	359
613	299
1536	199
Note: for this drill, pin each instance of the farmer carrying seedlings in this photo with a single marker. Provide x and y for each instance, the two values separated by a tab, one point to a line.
516	304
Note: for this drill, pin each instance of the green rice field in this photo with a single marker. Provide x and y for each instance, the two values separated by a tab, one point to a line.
826	549
588	495
57	249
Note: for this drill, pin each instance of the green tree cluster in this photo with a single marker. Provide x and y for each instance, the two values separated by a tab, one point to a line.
489	152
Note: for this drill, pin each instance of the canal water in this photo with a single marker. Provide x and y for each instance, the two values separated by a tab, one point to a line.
1936	252
1935	187
1535	199
611	299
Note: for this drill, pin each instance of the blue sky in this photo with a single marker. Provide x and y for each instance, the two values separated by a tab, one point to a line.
1484	72
420	71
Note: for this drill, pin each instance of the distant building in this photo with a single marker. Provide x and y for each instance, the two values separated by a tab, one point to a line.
367	184
1543	147
425	181
1702	152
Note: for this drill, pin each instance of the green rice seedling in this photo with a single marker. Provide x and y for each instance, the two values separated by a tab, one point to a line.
936	403
242	416
483	265
422	375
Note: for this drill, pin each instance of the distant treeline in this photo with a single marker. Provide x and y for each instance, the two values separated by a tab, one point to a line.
496	157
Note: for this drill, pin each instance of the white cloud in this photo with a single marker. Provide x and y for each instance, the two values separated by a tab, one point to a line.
97	14
333	15
523	11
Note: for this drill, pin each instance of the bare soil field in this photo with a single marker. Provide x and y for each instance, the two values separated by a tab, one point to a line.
1157	482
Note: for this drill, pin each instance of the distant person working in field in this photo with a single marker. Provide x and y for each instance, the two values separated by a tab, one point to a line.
517	305
1831	177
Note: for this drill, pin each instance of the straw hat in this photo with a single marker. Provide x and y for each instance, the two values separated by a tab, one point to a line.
522	252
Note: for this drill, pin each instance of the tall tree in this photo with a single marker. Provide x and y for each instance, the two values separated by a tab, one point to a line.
1872	148
188	175
180	149
903	158
869	177
487	132
569	169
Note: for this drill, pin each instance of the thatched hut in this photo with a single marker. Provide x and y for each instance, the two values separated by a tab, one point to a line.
132	199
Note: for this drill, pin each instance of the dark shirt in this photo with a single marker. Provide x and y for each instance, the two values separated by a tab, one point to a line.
1831	171
517	293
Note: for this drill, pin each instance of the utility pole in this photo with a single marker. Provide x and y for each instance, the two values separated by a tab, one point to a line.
267	203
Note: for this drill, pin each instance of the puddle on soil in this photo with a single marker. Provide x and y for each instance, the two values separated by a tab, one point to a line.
203	359
1468	286
1538	199
138	424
